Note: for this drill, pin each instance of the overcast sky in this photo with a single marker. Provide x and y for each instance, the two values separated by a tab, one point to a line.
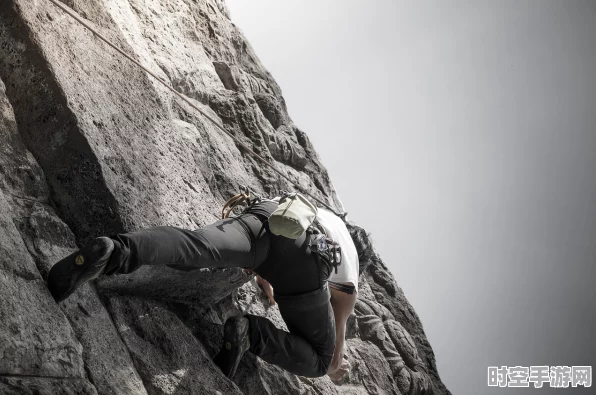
476	122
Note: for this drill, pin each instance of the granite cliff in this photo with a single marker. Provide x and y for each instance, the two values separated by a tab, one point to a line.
90	145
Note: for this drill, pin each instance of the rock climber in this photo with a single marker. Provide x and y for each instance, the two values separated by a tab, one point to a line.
314	301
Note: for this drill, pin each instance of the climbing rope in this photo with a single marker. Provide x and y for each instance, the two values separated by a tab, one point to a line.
76	17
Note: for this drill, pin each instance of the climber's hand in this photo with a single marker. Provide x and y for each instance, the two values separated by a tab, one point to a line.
267	288
336	375
248	271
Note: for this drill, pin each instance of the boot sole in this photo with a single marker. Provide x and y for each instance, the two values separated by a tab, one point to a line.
79	267
232	351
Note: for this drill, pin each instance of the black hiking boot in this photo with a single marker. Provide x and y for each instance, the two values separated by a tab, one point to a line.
79	267
235	343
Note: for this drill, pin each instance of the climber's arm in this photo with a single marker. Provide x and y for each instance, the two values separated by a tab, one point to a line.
343	305
266	287
263	284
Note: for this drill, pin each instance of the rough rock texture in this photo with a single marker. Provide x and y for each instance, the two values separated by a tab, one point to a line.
45	386
90	145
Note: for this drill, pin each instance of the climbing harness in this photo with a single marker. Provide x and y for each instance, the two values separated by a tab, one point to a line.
293	217
348	289
325	249
296	215
232	203
246	197
76	17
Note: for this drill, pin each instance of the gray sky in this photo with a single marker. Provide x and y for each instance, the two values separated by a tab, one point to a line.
479	119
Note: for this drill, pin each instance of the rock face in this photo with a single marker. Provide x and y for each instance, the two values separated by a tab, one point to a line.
90	145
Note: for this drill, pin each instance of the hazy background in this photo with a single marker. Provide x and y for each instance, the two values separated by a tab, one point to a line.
478	119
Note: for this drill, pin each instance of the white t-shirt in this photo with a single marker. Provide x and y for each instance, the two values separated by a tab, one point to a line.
347	272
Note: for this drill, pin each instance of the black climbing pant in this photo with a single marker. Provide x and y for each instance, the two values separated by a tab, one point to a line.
299	282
